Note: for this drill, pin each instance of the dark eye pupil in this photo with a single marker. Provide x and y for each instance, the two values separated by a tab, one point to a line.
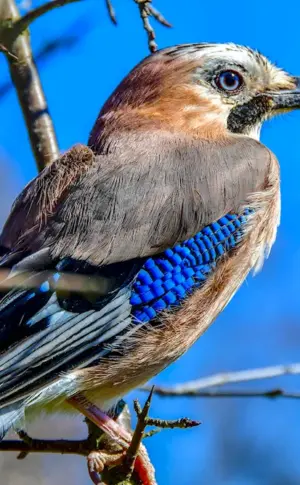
229	81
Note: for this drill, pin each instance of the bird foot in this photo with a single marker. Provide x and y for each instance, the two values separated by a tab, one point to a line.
98	460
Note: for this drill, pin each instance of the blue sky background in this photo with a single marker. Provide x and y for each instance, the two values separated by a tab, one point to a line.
241	441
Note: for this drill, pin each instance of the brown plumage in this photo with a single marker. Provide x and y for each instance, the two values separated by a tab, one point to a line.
39	200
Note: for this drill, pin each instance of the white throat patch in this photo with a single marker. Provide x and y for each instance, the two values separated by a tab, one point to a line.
254	131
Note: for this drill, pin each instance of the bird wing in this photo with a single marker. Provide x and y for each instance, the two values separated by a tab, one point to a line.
152	193
119	210
38	201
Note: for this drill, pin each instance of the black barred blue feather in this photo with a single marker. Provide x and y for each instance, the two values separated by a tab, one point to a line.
165	280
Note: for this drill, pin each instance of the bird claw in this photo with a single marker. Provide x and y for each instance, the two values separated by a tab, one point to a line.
99	460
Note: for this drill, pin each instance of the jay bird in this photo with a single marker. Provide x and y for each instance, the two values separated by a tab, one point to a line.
158	221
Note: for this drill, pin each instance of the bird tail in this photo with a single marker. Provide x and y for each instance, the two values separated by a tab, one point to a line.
10	416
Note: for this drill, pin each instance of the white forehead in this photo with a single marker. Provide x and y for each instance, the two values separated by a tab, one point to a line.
234	53
254	62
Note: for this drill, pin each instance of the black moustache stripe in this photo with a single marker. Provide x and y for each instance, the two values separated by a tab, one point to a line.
244	116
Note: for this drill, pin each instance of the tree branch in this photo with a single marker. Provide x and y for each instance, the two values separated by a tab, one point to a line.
270	394
138	435
192	387
29	89
80	447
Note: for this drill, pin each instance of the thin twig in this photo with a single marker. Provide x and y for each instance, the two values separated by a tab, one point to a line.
220	379
182	423
270	394
111	11
138	435
145	14
146	11
158	16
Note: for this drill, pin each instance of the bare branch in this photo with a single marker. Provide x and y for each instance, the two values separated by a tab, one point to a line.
138	435
145	14
271	394
30	93
189	388
97	440
79	447
181	423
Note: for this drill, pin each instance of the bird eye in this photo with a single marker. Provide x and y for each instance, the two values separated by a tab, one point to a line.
229	81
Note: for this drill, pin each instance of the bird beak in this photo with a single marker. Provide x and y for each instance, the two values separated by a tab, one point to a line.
286	100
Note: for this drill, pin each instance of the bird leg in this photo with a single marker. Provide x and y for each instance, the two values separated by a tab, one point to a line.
143	467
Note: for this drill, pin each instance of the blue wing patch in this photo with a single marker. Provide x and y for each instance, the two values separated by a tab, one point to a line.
165	280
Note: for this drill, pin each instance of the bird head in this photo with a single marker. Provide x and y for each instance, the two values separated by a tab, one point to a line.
203	89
